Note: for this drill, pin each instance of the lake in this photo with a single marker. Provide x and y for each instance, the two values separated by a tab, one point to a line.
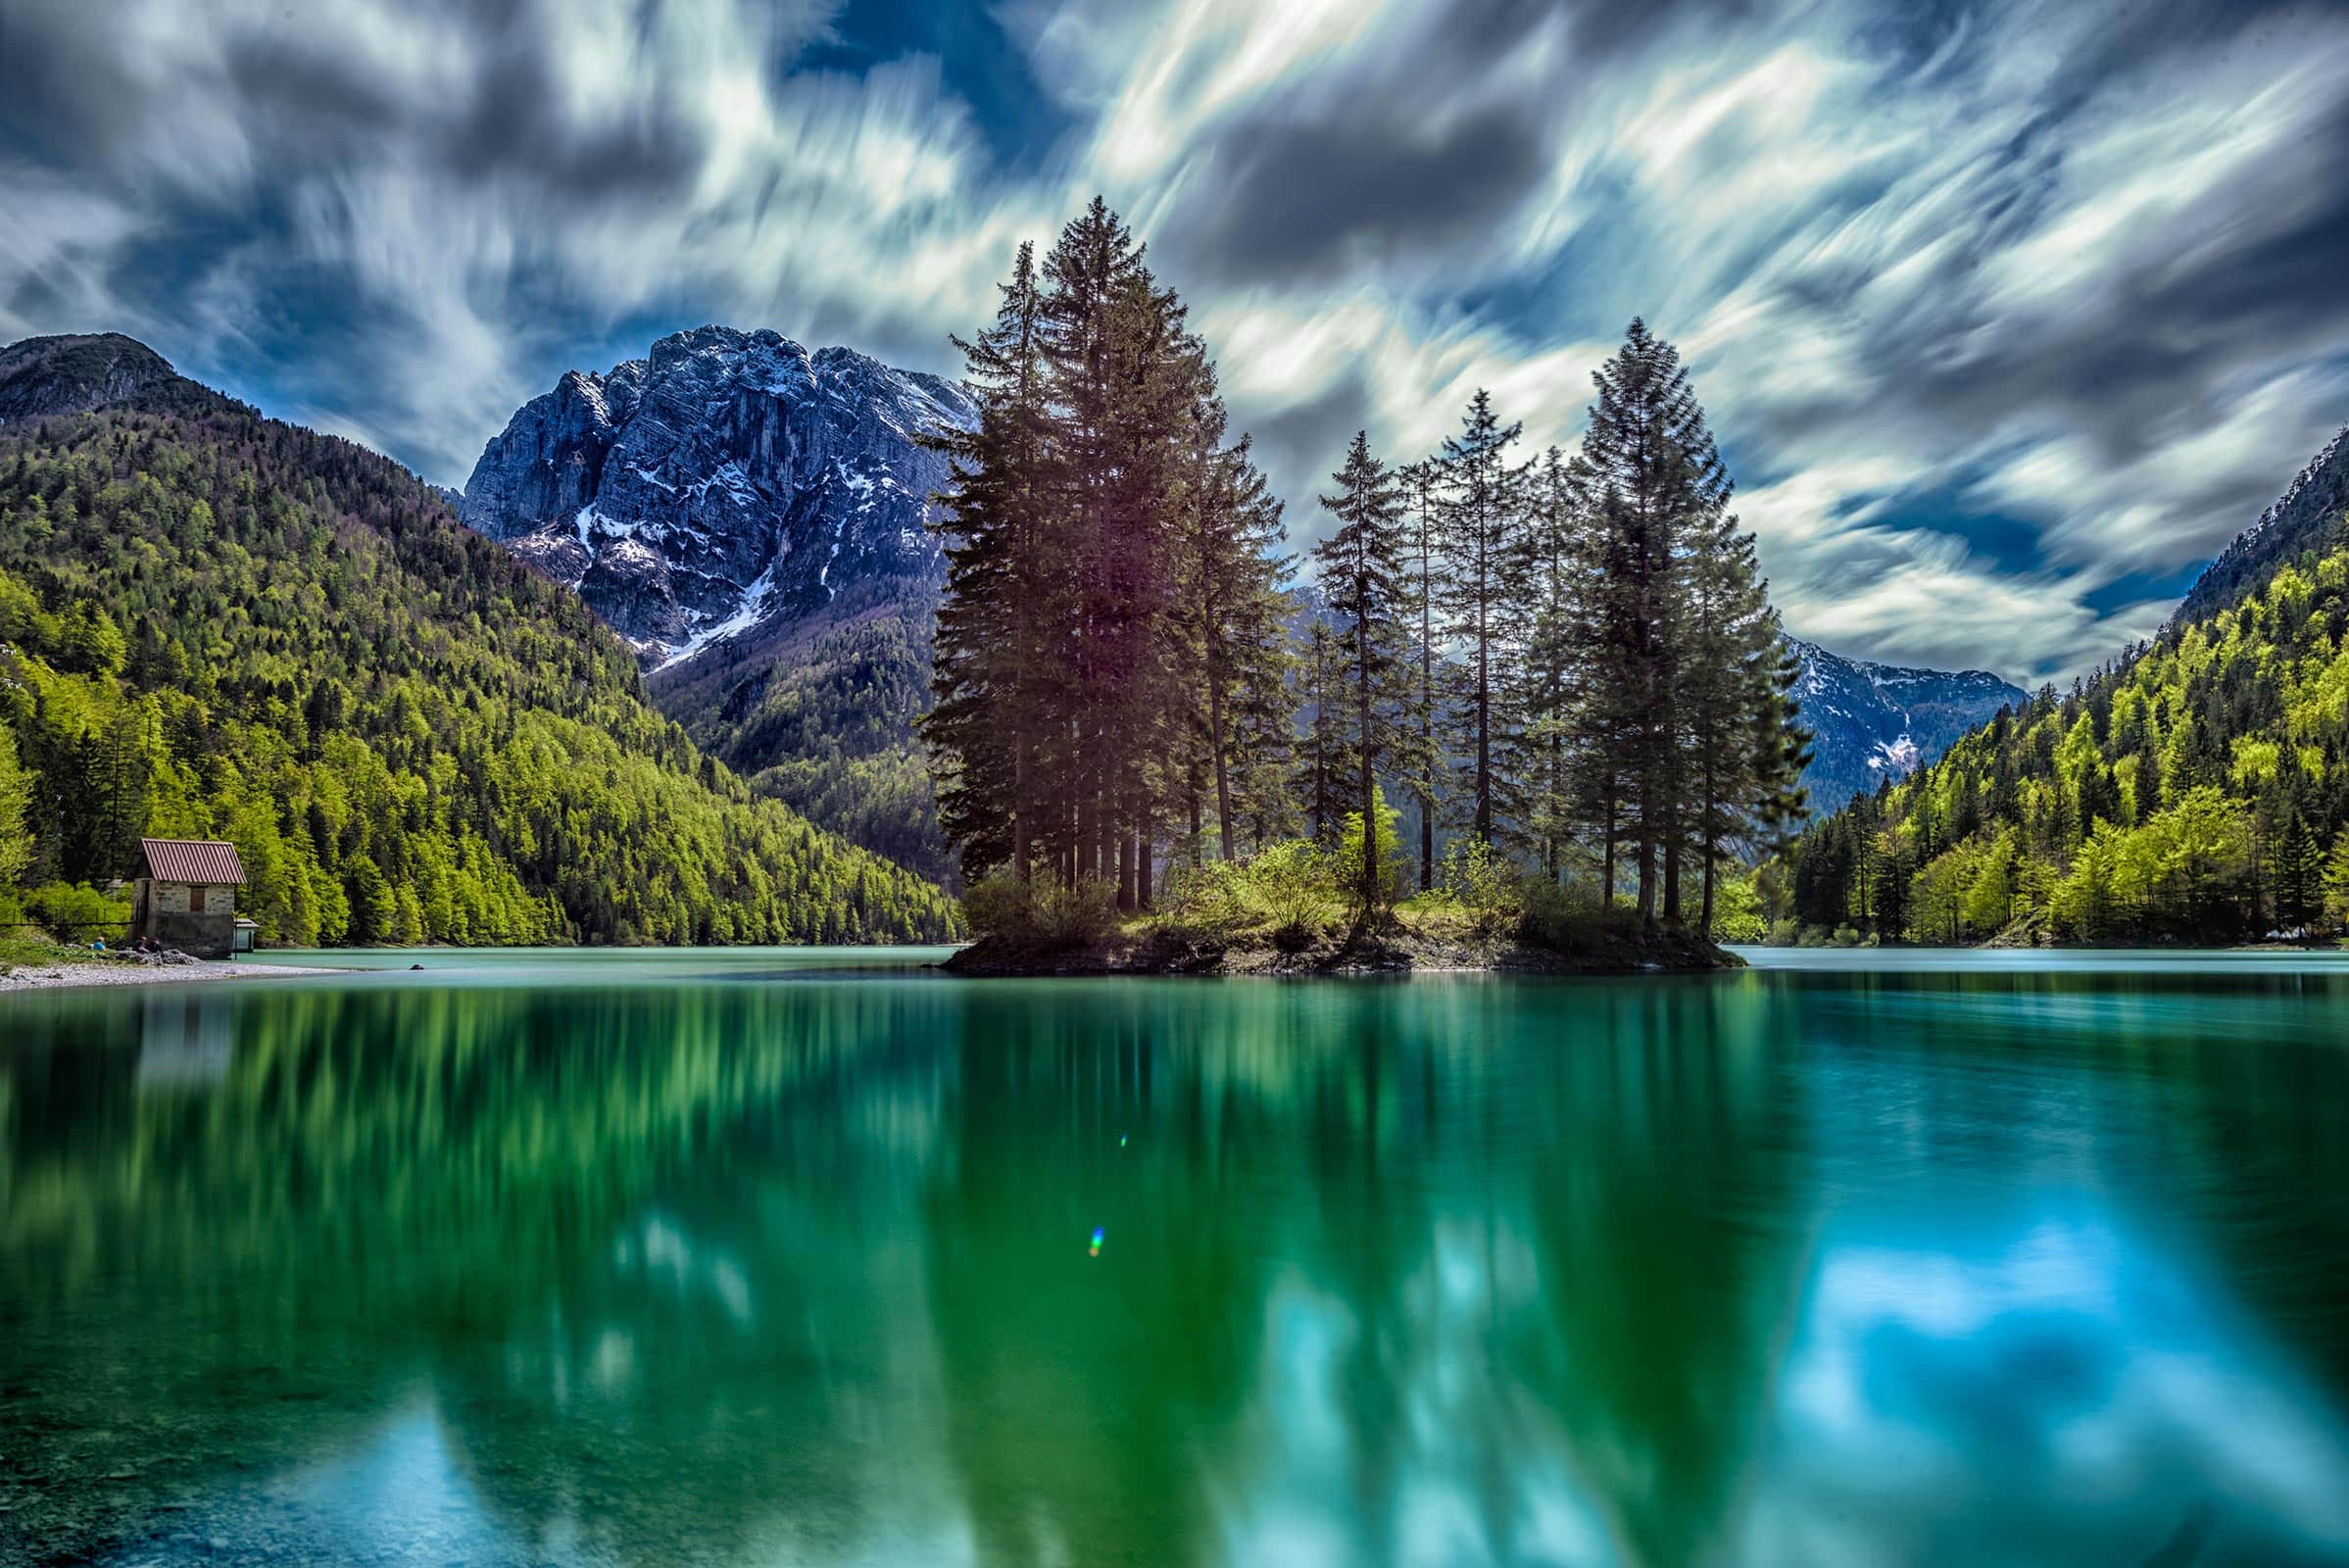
822	1258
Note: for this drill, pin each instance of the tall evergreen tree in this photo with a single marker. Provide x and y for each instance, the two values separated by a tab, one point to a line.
1424	767
1103	457
1551	675
1735	678
995	677
1654	486
1480	585
1324	758
1231	604
1360	569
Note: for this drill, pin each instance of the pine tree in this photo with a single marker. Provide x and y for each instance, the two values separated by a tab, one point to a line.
995	676
1360	571
1424	766
1735	678
1551	674
1652	487
1479	587
1100	392
1231	606
1324	758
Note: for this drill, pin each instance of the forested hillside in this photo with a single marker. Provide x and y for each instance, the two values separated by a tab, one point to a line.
2312	513
219	625
2198	791
820	716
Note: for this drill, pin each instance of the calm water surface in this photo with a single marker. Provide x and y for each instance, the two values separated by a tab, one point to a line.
790	1258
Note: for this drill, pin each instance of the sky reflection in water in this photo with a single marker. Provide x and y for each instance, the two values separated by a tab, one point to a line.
704	1259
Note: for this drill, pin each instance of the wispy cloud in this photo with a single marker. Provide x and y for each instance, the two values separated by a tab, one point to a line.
2004	310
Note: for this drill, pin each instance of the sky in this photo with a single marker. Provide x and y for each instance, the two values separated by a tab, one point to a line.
2008	315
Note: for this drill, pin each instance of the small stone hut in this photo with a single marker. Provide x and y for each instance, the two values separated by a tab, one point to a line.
187	900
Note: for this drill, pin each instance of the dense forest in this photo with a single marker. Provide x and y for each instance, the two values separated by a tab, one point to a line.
215	624
1569	660
823	720
2197	790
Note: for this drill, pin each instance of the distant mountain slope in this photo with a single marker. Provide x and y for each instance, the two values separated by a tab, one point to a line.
1871	722
2308	515
217	624
728	480
818	713
2196	790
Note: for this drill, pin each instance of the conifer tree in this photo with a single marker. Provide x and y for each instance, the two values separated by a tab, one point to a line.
1360	571
1231	604
1423	483
1324	759
1007	589
1551	675
1102	461
1735	678
1653	484
1482	581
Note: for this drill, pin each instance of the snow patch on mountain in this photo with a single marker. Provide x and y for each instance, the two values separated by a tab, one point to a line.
685	493
1871	723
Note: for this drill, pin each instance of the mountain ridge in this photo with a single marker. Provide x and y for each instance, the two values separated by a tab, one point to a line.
727	479
74	373
1871	721
2309	514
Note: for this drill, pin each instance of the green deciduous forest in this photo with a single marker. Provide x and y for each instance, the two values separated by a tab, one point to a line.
2196	790
1568	660
215	624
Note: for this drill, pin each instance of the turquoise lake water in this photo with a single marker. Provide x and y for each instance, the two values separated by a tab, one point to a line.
821	1257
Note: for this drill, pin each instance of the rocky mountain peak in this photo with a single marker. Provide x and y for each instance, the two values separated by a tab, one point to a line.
727	480
1873	723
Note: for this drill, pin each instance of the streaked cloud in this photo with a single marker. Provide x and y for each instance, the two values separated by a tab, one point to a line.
2008	314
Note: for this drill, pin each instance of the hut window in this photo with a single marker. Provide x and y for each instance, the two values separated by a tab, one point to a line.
195	901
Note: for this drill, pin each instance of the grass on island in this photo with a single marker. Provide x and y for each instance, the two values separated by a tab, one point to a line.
1298	905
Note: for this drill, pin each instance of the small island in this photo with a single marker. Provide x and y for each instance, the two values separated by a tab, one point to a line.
1295	909
1155	948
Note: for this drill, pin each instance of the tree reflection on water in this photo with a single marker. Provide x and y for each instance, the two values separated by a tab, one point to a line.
1764	1269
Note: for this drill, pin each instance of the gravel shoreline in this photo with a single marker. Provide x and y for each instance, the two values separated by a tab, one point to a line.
114	972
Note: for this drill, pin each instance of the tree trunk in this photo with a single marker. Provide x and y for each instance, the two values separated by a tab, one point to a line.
1606	873
1223	767
1199	832
1483	730
1370	815
1646	849
1019	808
1427	710
1672	870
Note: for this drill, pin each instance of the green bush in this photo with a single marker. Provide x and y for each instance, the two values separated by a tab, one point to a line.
1490	891
1210	900
79	914
1557	915
1737	909
1345	869
1041	909
1291	882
